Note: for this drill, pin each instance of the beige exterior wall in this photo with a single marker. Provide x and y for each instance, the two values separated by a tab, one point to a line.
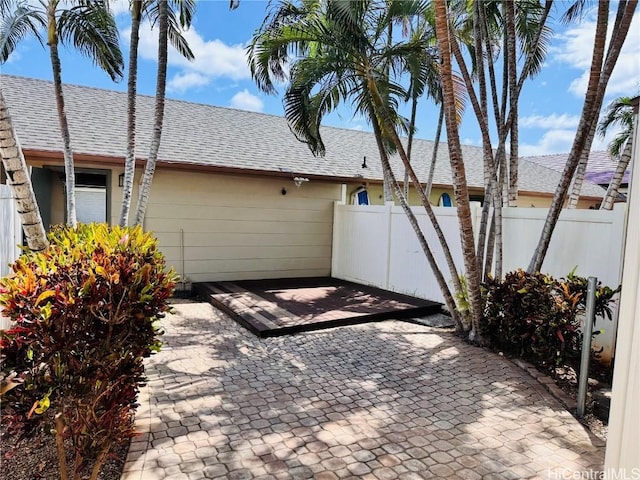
524	200
228	227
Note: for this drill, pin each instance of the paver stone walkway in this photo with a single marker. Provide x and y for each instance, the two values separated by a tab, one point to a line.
388	400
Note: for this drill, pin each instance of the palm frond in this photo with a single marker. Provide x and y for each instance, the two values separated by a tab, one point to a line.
529	15
19	19
175	37
575	11
185	9
93	32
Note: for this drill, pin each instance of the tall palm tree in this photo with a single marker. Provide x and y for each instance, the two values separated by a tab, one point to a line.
620	113
514	34
602	64
338	51
183	10
17	172
89	27
443	33
168	31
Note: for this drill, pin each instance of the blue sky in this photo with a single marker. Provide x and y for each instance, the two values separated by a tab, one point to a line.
550	104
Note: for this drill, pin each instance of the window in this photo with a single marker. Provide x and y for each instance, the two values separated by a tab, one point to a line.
360	196
91	197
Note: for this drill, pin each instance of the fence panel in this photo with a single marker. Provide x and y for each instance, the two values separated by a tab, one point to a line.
377	246
10	235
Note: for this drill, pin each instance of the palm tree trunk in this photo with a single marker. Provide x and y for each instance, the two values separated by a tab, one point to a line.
479	109
601	68
512	193
578	179
616	180
19	180
434	153
387	125
130	160
150	166
70	180
413	221
412	125
458	170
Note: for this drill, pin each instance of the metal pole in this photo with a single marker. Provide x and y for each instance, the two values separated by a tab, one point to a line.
587	331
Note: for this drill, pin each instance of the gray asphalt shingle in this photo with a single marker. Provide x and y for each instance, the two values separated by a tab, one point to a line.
223	137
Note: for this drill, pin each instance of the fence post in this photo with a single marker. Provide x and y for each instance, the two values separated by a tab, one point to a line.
587	330
387	273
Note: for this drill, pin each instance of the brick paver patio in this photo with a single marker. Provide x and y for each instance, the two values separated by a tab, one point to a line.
377	401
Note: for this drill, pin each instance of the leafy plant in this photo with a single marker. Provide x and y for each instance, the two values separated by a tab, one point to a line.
537	317
85	312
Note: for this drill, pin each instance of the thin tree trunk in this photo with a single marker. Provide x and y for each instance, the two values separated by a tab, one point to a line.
388	129
388	172
414	108
490	249
600	73
616	180
578	179
62	458
19	180
482	118
512	194
150	166
70	180
458	170
130	160
434	154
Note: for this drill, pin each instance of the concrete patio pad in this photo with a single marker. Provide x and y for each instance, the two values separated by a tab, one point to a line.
374	401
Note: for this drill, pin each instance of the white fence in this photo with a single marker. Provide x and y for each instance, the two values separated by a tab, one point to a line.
10	235
376	246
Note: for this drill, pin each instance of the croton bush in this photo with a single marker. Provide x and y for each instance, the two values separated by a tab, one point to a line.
538	317
85	313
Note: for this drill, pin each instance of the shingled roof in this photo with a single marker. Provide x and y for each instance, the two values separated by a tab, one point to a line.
600	167
225	138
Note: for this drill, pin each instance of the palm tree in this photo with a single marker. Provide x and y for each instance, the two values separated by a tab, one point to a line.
338	51
620	113
89	27
184	9
487	29
443	33
168	31
15	167
602	64
132	88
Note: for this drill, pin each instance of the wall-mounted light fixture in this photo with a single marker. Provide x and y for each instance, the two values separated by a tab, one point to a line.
121	180
299	181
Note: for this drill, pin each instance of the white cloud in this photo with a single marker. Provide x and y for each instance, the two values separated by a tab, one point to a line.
119	7
552	141
213	58
553	121
245	100
576	48
182	82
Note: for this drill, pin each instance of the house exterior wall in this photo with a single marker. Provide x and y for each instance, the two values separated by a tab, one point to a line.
213	226
229	227
524	200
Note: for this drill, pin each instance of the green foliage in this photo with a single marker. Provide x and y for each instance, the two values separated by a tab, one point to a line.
537	317
85	313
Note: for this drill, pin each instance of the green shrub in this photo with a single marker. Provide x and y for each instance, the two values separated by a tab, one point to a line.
537	317
85	312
